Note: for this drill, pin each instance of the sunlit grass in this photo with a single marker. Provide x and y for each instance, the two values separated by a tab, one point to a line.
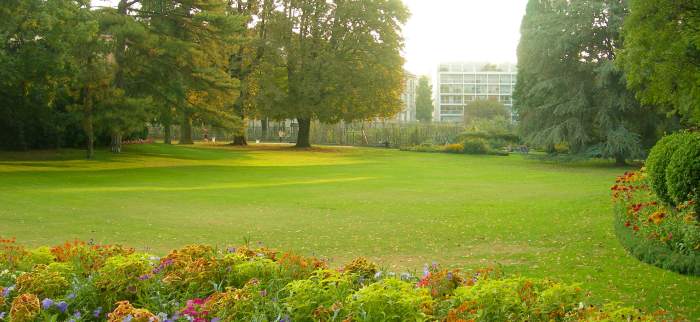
401	209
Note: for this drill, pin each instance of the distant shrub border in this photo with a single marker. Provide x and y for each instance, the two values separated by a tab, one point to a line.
81	282
654	232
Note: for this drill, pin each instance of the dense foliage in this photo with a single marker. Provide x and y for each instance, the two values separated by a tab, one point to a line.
73	74
82	282
662	53
674	168
654	232
76	75
569	89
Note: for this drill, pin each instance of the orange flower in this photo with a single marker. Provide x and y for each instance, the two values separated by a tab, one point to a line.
657	217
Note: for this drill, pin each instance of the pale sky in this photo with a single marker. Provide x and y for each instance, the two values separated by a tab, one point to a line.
461	30
456	30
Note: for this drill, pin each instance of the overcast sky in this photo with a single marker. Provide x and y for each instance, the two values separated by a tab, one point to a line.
456	30
461	30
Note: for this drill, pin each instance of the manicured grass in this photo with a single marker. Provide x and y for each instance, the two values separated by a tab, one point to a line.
401	209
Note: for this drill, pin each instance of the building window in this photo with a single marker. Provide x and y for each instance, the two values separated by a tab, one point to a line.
493	89
469	89
451	79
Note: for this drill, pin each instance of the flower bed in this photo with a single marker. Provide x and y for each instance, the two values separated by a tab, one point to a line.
652	231
81	282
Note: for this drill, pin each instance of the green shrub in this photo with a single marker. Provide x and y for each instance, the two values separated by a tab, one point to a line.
658	161
683	171
262	269
475	146
390	300
454	148
123	277
45	281
321	296
515	299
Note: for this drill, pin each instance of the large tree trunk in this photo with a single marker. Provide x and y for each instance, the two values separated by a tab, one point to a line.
186	129
303	136
116	144
239	140
264	124
168	134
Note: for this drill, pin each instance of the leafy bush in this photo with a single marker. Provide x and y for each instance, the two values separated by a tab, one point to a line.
475	146
321	296
515	299
123	277
683	172
658	160
46	280
454	148
390	300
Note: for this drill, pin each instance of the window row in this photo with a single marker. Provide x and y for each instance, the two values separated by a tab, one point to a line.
477	79
459	99
476	89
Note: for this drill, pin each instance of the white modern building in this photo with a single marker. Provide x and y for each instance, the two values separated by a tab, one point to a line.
460	83
408	110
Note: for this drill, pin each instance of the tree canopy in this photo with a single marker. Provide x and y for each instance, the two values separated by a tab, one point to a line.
569	89
661	56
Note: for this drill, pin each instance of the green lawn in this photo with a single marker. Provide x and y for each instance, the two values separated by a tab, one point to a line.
401	209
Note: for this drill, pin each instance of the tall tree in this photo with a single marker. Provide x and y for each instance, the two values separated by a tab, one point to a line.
341	59
661	55
195	44
424	100
38	54
568	89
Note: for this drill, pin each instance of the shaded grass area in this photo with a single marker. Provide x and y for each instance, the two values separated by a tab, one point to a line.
401	209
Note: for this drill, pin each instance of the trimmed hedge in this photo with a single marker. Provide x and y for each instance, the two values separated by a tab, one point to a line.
683	172
658	161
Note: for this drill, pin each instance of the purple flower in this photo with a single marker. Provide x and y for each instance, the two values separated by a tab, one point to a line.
127	318
231	249
71	296
449	276
77	314
426	271
263	293
96	313
62	306
6	291
145	277
2	315
215	320
46	304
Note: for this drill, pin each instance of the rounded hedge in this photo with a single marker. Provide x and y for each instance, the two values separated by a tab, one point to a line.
683	170
475	146
658	161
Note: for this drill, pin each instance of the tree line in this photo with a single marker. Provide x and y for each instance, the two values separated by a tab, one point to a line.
607	77
74	75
